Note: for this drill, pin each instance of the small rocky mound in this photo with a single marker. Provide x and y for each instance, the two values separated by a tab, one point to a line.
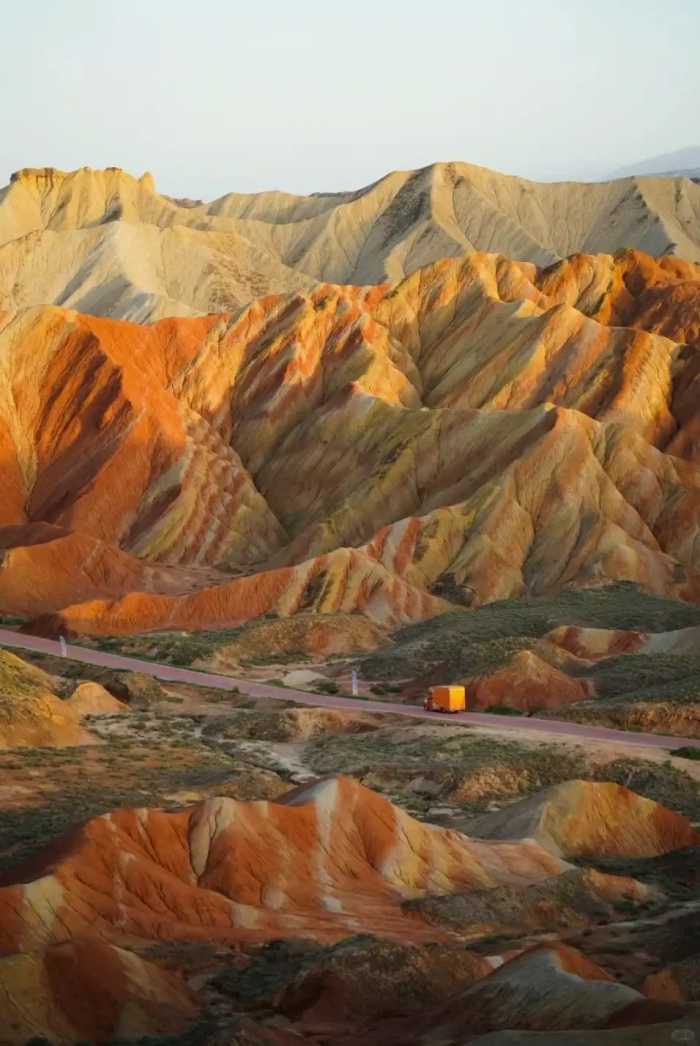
590	819
31	715
93	699
591	644
87	991
361	979
136	688
678	717
577	898
294	724
527	682
679	982
622	678
548	987
317	636
596	643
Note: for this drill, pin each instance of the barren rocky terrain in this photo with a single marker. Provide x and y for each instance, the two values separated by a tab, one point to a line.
107	243
210	868
443	429
477	432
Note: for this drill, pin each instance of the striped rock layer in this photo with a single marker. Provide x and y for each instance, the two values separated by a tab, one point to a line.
477	431
80	924
327	861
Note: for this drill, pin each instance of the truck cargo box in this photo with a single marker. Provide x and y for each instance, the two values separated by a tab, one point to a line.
446	699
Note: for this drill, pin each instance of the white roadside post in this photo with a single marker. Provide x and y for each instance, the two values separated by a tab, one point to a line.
63	646
354	683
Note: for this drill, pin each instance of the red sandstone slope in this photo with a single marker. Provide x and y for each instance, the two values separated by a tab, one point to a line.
327	862
579	673
323	862
630	289
475	428
84	990
86	926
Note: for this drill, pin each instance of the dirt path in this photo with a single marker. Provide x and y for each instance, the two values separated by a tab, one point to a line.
170	673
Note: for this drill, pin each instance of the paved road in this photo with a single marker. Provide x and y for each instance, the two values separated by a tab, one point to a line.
172	674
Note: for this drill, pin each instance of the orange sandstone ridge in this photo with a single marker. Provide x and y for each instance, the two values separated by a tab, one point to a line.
326	862
472	433
333	857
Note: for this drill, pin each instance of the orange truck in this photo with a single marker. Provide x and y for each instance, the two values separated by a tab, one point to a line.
445	699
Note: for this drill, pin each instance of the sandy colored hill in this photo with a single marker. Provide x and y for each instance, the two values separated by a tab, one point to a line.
463	436
585	818
93	699
106	243
31	714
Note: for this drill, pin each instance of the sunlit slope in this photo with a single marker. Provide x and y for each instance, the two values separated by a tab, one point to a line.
478	430
109	244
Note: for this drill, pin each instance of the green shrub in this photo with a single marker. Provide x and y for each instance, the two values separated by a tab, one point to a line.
474	642
688	752
327	686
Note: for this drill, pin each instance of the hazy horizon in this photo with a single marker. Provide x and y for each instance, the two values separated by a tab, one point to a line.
213	99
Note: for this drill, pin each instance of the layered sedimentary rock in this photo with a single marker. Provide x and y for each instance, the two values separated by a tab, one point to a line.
462	436
588	819
527	682
333	857
85	990
592	644
572	664
107	243
551	987
95	931
679	982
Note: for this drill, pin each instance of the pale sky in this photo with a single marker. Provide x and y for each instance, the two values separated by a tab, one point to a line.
219	95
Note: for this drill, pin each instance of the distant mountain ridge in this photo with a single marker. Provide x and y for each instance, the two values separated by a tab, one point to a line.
682	163
108	244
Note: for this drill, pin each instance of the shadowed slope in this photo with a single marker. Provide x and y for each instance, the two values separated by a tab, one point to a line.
87	991
550	987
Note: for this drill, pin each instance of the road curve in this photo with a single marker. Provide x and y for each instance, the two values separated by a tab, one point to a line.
170	673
